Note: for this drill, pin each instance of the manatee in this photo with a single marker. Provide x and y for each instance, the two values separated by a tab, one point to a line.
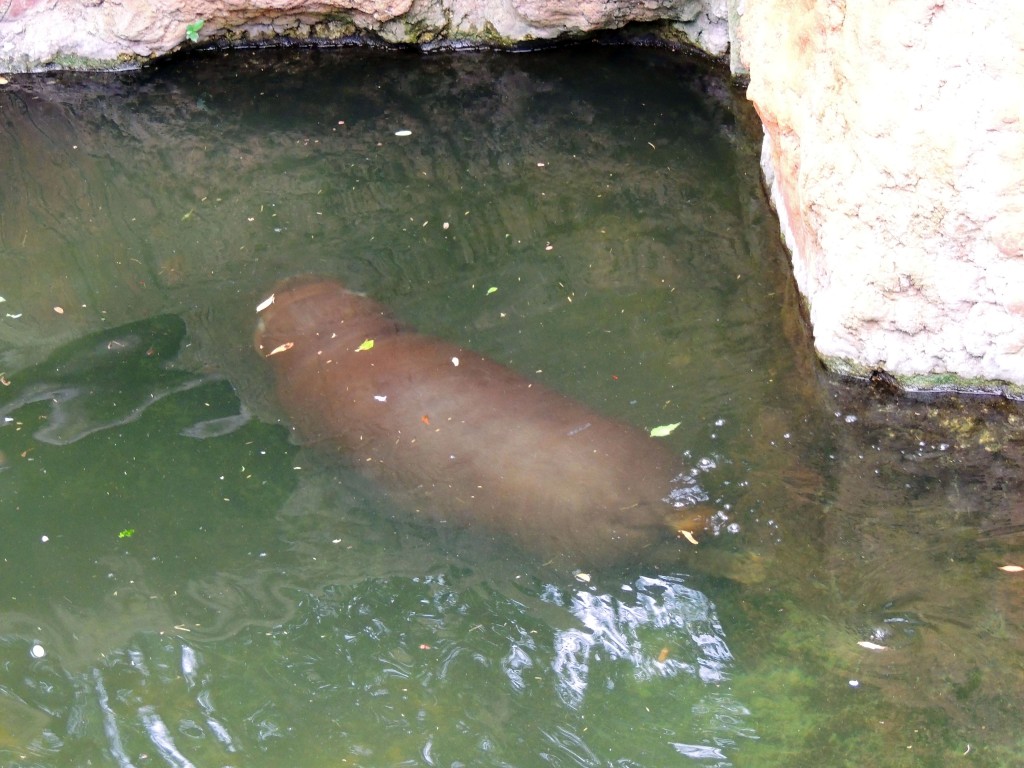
463	440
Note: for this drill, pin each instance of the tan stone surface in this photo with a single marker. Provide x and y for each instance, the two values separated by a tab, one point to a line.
895	133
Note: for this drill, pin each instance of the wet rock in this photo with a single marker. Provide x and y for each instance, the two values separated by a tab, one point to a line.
92	35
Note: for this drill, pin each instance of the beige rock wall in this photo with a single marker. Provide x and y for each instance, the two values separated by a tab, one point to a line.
895	149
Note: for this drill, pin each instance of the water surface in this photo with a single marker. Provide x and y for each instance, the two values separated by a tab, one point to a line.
181	585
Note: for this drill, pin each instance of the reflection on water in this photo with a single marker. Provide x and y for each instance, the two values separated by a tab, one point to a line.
613	626
625	631
180	585
105	381
185	703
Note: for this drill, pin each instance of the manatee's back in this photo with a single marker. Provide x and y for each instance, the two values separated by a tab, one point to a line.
459	437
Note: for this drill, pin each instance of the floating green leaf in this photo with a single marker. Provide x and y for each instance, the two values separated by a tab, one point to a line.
665	429
192	30
368	344
491	290
127	533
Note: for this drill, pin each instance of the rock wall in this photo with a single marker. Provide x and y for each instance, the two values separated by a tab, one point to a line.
894	138
101	34
894	149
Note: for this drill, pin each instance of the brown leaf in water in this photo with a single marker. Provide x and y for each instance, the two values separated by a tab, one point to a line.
281	348
663	655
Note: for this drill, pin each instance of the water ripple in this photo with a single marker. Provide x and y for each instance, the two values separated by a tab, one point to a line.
694	644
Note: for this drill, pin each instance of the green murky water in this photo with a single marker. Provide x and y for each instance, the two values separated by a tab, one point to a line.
180	585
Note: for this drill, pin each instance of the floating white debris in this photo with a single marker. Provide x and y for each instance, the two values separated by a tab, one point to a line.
381	398
455	362
37	651
265	303
403	133
872	646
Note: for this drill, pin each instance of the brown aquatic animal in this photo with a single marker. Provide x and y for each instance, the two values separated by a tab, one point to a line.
465	440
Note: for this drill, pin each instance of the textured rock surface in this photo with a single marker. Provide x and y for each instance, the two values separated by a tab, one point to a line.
35	34
895	148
